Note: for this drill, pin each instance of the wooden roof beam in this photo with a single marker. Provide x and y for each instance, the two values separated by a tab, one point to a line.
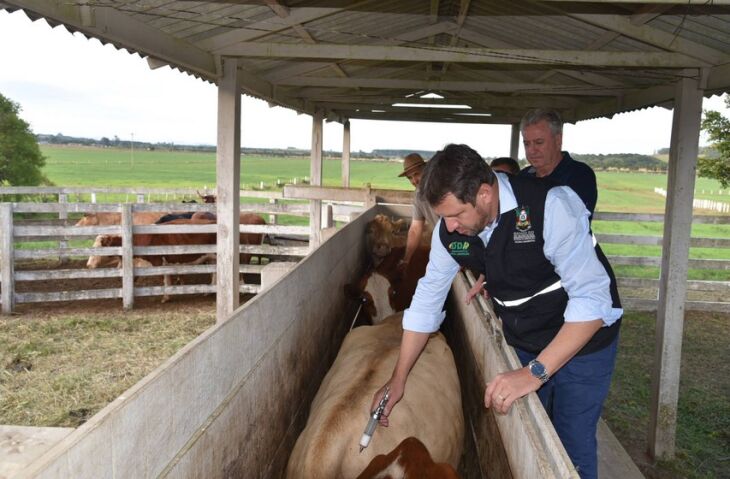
561	58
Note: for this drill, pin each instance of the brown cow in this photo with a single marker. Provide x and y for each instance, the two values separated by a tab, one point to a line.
380	237
106	219
430	409
410	460
200	217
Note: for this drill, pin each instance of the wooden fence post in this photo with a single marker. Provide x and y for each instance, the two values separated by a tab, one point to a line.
63	215
127	258
272	218
7	258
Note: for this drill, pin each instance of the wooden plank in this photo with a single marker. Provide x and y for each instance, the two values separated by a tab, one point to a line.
658	240
716	286
127	258
637	304
7	258
54	190
673	279
531	444
514	141
315	173
56	274
613	460
68	295
228	175
22	231
63	215
21	445
48	252
346	155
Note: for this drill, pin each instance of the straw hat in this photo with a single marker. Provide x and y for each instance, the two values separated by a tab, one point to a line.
411	163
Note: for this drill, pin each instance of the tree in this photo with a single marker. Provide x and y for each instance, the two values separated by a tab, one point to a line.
718	130
21	160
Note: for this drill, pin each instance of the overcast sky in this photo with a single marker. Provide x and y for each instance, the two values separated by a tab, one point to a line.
68	84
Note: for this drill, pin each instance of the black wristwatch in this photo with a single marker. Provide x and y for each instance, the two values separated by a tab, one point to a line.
538	370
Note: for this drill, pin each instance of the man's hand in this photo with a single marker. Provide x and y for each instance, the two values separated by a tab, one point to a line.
395	394
508	387
478	288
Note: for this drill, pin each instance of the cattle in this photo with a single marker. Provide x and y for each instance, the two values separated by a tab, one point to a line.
410	460
200	217
386	289
430	409
106	219
381	236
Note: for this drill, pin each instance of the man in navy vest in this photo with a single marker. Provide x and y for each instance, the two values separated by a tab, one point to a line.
542	137
555	295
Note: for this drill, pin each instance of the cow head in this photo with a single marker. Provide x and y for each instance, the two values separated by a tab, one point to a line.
89	219
103	241
206	198
386	289
379	237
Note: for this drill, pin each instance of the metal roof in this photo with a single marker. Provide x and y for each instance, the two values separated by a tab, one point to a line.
493	59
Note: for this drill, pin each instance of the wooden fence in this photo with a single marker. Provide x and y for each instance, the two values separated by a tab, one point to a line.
23	223
343	202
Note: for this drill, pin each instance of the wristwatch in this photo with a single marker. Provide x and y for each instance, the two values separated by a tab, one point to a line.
538	370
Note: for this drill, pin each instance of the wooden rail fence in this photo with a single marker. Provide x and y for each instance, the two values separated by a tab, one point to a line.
343	203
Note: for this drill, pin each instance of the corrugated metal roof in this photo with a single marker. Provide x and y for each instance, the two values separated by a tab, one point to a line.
587	59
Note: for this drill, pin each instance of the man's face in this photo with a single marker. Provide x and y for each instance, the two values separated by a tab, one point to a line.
465	218
542	147
415	177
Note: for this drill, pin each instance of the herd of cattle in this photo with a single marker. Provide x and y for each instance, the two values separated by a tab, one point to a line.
165	239
426	431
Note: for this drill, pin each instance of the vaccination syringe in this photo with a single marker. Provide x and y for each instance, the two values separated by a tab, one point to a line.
374	418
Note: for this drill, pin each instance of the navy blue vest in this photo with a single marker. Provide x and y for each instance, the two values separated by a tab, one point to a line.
515	268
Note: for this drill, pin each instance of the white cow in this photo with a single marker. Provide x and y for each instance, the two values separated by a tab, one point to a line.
429	410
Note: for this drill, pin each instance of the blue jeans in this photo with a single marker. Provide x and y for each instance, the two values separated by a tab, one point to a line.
573	398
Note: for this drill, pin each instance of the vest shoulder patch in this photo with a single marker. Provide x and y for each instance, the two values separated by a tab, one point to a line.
459	248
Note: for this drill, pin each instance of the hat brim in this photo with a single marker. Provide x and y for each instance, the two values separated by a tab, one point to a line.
411	169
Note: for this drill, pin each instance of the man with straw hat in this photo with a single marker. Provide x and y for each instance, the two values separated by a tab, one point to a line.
412	168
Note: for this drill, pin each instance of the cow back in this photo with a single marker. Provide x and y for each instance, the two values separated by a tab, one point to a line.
430	408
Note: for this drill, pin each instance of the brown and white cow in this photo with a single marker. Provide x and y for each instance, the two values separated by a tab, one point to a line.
410	460
381	236
429	410
106	219
387	289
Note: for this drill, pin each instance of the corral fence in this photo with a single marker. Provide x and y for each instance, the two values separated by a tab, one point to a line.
291	242
42	228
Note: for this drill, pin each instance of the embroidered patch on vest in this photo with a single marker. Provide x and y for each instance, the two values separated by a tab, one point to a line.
523	226
459	248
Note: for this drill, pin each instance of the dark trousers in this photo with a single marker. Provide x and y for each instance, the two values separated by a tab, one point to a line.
573	398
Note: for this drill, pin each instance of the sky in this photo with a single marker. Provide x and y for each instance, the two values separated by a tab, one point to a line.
68	84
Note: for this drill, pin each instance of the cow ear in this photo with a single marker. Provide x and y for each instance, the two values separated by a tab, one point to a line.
397	225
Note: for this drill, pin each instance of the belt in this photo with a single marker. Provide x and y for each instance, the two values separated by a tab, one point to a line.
516	302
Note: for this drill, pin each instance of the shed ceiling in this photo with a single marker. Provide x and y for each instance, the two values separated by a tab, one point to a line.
470	61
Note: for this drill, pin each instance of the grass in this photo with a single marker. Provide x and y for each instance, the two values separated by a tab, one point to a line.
703	422
59	369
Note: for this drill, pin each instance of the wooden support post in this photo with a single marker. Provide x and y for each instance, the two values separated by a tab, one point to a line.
673	280
7	258
228	186
127	257
140	197
315	173
93	197
346	154
272	218
63	215
328	220
514	142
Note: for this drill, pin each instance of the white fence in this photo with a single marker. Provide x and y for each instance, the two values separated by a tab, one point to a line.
719	206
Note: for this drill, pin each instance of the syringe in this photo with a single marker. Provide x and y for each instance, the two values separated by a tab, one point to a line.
374	418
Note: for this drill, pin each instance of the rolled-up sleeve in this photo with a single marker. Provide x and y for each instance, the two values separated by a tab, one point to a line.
426	314
569	247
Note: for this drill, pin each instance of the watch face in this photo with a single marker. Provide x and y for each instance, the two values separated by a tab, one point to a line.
537	369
